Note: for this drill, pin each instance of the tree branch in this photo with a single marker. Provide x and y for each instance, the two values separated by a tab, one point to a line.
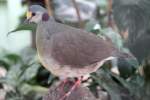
78	13
110	20
48	6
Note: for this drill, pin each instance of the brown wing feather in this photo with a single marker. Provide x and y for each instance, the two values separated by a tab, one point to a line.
79	48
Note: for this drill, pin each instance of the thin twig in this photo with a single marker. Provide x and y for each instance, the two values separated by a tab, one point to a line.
110	20
78	13
48	6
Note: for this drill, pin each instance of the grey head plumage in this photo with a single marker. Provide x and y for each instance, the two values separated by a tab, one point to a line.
35	8
37	13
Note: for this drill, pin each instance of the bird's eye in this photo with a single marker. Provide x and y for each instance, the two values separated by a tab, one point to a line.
33	14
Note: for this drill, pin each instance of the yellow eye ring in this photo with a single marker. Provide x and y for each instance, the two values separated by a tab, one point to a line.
29	15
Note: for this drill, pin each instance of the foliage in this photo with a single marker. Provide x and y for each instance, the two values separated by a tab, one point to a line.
24	26
22	75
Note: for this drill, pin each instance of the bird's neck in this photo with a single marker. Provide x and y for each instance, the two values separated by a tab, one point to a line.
51	18
46	19
48	26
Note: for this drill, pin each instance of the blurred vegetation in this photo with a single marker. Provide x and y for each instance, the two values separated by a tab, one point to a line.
28	80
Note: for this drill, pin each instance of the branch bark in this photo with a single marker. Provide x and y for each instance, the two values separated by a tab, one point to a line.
110	20
80	93
48	6
78	13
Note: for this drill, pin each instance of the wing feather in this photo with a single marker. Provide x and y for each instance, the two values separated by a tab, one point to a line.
79	48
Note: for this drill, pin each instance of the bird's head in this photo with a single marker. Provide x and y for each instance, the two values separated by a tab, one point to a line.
36	14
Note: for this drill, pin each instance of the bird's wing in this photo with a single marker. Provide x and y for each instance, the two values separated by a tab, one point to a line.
79	48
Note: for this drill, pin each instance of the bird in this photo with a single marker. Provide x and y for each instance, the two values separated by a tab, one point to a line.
65	51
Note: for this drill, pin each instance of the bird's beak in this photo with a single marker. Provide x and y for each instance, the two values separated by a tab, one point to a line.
28	17
29	14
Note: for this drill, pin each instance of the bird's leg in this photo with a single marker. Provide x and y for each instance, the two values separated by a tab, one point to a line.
76	84
62	84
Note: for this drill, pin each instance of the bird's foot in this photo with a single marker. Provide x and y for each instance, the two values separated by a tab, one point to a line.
62	84
76	84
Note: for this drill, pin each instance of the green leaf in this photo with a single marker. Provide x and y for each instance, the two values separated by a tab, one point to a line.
27	88
105	81
13	75
9	59
13	58
28	55
3	80
30	72
4	64
113	36
127	67
51	78
123	82
21	27
90	26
